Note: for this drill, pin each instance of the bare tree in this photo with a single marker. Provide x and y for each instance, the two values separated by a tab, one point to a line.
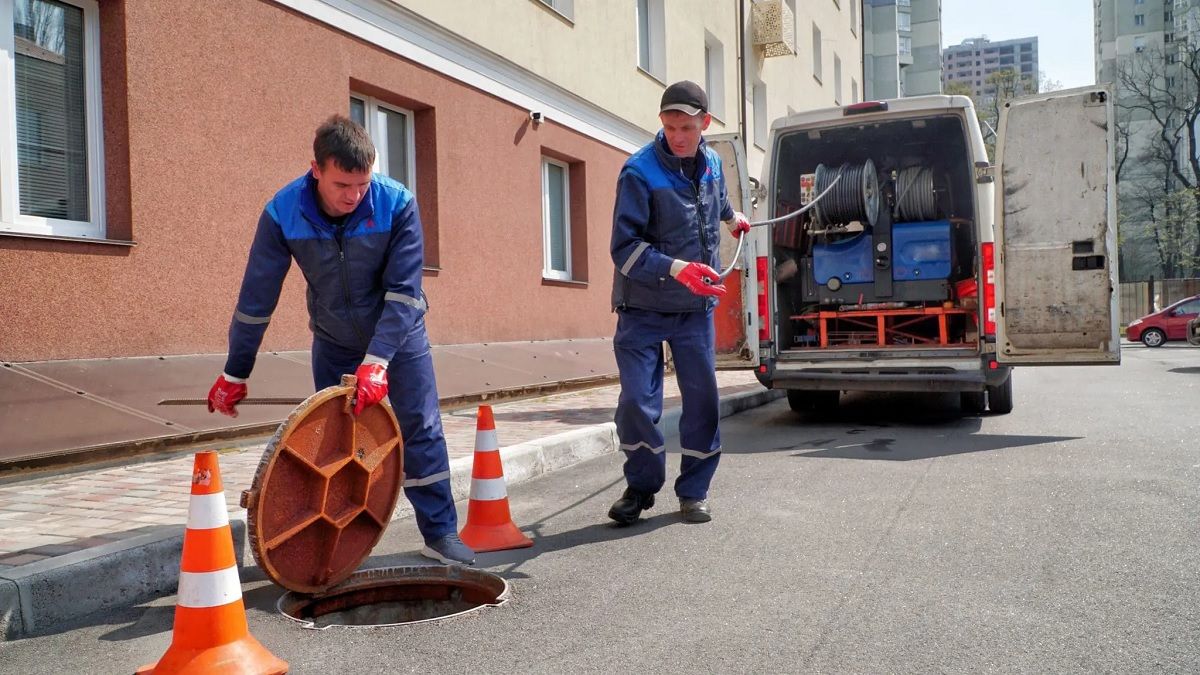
1159	107
44	23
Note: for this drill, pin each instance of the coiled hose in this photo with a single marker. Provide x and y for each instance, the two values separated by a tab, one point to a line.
915	198
856	198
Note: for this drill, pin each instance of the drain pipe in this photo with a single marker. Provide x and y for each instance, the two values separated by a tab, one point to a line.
741	60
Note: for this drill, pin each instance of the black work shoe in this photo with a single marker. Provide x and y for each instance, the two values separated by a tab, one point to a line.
629	507
695	510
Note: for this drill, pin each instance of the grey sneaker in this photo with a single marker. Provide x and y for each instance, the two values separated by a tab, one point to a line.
695	510
449	550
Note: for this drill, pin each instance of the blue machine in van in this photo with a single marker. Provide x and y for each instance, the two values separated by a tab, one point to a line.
920	264
921	251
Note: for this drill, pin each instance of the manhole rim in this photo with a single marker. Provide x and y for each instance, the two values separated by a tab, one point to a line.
374	575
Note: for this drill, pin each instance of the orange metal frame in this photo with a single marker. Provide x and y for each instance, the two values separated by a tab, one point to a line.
886	324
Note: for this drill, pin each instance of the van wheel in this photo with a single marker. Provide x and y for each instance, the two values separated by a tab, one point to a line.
1153	337
1000	397
801	401
973	402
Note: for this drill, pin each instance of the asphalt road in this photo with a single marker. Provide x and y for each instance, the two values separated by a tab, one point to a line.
899	536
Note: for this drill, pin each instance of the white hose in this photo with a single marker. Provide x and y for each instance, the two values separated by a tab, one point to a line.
742	236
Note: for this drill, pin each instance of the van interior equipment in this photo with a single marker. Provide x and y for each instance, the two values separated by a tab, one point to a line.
888	258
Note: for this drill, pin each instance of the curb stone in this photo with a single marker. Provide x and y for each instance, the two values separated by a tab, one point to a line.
55	590
38	596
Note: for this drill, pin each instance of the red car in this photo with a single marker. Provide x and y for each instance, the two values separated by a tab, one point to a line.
1167	324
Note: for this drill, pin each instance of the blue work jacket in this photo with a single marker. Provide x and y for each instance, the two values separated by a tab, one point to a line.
364	276
662	215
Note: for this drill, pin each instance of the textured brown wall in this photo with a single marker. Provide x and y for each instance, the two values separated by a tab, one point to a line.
209	108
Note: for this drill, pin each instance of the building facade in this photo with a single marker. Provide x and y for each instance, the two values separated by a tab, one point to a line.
902	50
1147	43
973	61
140	140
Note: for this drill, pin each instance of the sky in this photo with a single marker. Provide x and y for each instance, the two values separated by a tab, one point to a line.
1065	30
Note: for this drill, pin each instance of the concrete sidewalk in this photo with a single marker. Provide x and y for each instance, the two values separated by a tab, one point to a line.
77	543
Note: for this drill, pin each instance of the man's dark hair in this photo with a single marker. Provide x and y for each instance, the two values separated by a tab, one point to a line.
346	143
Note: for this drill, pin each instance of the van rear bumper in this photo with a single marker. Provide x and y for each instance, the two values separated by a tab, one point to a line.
928	378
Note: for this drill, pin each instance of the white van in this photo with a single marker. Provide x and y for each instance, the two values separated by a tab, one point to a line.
925	267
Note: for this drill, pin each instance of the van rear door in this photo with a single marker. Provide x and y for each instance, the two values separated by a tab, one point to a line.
1056	230
736	322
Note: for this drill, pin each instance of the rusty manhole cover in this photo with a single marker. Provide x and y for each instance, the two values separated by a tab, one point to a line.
324	491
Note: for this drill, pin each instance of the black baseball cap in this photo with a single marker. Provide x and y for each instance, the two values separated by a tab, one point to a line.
685	96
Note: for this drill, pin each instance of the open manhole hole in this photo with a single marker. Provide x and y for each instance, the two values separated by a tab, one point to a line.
394	596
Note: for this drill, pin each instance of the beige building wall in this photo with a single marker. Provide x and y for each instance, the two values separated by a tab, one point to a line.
800	82
591	50
594	53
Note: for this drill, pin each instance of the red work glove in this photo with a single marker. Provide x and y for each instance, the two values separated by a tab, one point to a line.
224	396
740	226
700	279
372	386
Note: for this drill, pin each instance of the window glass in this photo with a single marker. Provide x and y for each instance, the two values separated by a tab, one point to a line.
556	220
52	152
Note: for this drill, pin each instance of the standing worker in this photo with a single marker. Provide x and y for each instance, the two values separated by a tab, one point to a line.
356	237
670	196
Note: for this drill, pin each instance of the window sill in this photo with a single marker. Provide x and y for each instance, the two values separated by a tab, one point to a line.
651	76
566	283
430	271
80	240
818	79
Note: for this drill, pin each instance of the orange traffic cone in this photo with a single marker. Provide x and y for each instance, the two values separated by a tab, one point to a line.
489	524
211	635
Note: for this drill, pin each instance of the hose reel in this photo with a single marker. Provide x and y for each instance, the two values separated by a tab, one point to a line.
915	196
856	197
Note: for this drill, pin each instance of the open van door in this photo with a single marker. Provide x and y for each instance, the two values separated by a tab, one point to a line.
1056	242
735	323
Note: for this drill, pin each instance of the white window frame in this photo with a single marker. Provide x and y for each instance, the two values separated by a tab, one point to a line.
714	75
11	219
761	128
654	37
795	26
837	79
816	55
564	8
372	108
547	271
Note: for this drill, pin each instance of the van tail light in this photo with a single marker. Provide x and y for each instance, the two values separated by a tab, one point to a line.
764	319
865	107
989	289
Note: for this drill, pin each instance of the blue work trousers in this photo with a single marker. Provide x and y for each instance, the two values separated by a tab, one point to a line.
412	392
639	351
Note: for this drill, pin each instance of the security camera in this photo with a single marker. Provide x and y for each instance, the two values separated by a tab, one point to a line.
536	116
